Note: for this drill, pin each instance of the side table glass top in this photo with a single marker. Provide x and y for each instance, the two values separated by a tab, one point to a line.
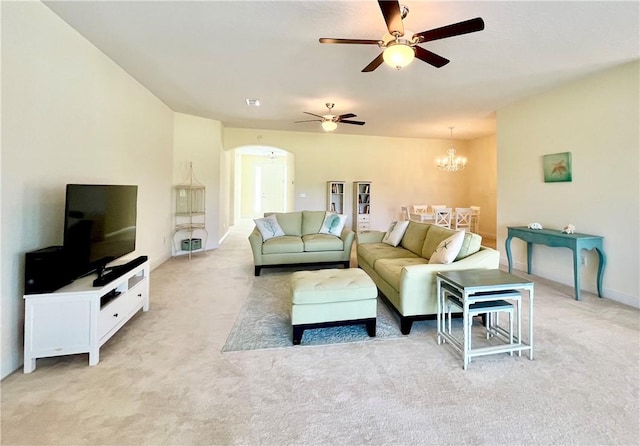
481	278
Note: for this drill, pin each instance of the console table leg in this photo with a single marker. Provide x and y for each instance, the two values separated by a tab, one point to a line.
529	256
576	272
507	247
601	265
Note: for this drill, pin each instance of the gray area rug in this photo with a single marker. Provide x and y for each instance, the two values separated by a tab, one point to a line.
265	321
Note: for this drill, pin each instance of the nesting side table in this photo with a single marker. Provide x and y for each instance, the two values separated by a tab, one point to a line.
482	285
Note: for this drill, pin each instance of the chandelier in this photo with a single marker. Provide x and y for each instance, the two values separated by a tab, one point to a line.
451	162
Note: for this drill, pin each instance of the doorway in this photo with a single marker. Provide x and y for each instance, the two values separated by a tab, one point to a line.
263	181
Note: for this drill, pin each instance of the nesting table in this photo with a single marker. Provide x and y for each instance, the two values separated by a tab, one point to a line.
483	285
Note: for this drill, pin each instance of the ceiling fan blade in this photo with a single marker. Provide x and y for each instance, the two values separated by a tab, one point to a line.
375	63
351	122
313	114
358	41
430	58
392	16
309	120
456	29
346	115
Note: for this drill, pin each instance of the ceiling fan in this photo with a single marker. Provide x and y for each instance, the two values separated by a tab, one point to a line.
330	121
399	50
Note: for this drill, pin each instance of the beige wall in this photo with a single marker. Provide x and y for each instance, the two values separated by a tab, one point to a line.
597	120
482	178
197	141
70	115
402	170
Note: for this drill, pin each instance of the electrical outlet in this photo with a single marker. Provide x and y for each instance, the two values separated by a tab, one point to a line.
584	260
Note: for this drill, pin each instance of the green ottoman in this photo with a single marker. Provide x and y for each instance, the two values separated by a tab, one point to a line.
331	297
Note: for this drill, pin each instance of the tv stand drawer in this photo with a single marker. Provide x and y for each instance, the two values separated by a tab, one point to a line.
119	310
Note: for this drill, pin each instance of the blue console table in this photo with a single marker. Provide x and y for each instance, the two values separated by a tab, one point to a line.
553	237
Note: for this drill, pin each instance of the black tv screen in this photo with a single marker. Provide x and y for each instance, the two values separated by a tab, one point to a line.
99	225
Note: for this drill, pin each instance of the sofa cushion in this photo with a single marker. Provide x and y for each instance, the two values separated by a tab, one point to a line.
333	224
322	242
414	236
470	244
283	245
370	252
448	249
395	232
390	269
268	227
312	221
290	222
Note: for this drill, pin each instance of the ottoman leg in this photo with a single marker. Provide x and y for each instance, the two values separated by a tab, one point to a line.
297	334
371	327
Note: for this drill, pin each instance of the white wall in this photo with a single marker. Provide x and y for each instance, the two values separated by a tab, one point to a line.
198	141
402	170
69	114
597	120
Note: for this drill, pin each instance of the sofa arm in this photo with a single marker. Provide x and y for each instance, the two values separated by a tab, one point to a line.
255	240
370	237
347	236
418	282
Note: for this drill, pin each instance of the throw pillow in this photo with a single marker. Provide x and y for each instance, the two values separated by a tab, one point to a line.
448	249
268	227
333	224
395	232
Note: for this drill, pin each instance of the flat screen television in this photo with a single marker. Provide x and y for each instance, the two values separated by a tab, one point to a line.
99	225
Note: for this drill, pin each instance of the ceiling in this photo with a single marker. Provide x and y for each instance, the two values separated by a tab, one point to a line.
206	58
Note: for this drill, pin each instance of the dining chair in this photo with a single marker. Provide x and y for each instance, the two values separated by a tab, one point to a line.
442	217
463	219
419	213
405	211
475	219
437	206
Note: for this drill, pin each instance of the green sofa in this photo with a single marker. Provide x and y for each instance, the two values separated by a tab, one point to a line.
301	244
403	275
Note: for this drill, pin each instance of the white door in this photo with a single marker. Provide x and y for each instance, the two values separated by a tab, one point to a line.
270	181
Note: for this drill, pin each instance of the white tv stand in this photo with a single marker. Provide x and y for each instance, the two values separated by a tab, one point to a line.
80	318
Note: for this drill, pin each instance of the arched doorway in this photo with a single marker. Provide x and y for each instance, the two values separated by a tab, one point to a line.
263	181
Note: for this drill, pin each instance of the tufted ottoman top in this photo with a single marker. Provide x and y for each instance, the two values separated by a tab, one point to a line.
331	285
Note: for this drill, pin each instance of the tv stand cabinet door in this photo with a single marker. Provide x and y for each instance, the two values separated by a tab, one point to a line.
58	326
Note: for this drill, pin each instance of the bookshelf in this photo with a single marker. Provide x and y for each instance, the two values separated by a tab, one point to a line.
335	196
362	205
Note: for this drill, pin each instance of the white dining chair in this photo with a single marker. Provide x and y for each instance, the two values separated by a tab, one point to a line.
442	217
463	219
475	219
437	206
405	211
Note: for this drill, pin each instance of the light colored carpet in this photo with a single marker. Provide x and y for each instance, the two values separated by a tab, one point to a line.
164	378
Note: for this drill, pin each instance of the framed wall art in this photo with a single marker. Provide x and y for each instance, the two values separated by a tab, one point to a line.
557	167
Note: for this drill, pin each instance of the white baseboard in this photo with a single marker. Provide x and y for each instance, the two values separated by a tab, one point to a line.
607	293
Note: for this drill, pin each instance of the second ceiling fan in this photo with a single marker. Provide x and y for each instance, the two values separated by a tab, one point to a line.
330	121
399	50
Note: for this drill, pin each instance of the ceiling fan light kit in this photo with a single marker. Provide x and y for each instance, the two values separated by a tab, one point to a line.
329	126
398	54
